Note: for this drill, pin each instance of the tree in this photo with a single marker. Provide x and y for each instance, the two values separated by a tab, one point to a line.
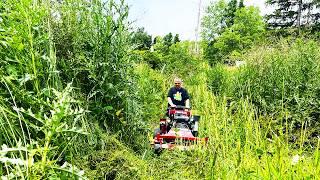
158	44
155	40
313	17
285	14
176	39
293	14
141	39
241	4
248	28
248	25
167	40
219	15
213	22
230	12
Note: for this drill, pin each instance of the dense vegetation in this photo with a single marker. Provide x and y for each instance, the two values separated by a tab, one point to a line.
80	95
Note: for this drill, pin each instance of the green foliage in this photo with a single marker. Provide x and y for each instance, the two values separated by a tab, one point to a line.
277	145
248	28
98	63
286	79
179	61
241	4
141	39
220	81
152	92
159	45
163	44
230	12
213	22
75	103
228	29
167	40
154	59
41	53
219	16
50	132
175	59
176	39
113	160
294	14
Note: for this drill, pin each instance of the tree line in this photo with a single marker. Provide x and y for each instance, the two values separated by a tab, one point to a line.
229	27
143	41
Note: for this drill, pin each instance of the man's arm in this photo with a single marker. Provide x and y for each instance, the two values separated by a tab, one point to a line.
170	94
187	101
170	102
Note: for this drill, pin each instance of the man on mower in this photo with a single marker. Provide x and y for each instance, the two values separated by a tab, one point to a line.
177	95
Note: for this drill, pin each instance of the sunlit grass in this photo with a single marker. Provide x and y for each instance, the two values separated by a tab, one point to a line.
73	104
239	146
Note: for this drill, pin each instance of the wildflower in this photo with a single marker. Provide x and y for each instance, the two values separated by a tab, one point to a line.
295	159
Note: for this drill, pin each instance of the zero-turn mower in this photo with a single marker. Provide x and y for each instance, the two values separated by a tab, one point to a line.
178	130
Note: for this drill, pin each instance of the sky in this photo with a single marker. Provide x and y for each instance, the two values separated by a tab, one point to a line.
159	17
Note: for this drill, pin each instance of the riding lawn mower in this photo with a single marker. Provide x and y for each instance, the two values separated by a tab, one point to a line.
178	130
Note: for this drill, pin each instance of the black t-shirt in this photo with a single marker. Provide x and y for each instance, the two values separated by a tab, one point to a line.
178	96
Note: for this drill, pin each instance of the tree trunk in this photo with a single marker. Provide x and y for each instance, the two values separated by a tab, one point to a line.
299	15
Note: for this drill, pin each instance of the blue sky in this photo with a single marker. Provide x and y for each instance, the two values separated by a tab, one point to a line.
159	17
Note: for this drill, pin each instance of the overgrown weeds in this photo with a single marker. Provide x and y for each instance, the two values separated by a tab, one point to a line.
64	66
74	103
283	81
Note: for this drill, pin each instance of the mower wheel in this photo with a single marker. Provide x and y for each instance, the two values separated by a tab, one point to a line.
157	149
156	131
195	133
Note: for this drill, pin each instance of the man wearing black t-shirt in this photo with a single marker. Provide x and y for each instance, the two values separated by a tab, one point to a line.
177	95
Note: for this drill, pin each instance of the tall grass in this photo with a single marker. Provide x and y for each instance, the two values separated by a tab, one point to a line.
240	148
75	104
39	117
64	72
244	143
266	134
283	82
